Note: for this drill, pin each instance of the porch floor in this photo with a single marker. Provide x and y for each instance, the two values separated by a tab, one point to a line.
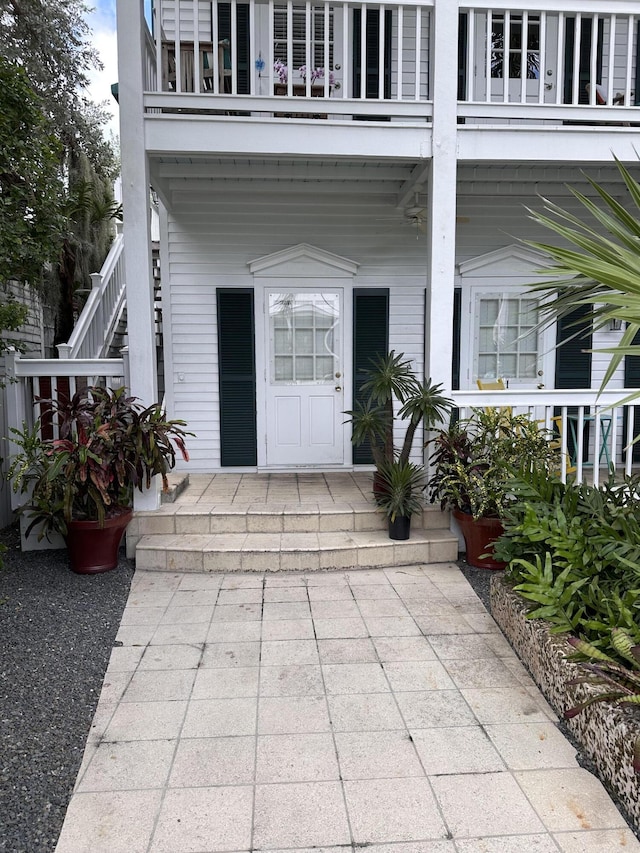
326	711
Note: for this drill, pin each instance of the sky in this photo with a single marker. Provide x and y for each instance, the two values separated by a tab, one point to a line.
102	21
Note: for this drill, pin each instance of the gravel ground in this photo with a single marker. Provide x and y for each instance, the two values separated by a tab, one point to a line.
57	630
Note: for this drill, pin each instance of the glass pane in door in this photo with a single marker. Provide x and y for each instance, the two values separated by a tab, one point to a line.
304	336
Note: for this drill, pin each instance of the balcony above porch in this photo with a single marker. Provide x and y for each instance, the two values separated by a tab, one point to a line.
559	83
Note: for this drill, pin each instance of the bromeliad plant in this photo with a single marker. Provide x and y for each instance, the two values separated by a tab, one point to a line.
108	445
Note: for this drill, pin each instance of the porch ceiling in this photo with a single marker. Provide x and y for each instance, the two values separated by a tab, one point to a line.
398	181
288	175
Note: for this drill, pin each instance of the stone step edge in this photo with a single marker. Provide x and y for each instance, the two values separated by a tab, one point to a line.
177	519
211	553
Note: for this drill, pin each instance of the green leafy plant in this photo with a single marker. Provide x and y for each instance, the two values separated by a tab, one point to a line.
620	682
390	381
108	445
475	459
401	494
574	551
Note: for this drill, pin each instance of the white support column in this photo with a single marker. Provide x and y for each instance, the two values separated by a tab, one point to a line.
442	197
137	215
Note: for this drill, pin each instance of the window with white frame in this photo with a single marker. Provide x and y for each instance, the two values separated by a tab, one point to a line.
506	340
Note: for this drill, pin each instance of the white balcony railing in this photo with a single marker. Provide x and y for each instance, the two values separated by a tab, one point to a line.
513	61
581	420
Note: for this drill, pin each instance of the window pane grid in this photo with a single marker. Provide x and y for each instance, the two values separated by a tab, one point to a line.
299	32
507	338
303	337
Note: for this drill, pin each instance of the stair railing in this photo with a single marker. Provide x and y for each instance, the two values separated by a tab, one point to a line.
98	320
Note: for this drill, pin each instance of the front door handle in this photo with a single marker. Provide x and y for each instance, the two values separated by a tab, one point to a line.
338	387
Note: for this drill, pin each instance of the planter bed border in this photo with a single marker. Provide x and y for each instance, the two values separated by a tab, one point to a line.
606	733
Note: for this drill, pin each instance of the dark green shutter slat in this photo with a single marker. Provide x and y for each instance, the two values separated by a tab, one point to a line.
631	380
370	339
239	51
457	323
372	57
237	377
573	364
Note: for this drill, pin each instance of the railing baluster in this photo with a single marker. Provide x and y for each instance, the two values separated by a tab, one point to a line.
506	56
580	444
271	56
307	49
215	38
326	63
234	45
197	59
627	88
363	51
399	86
489	47
593	62
346	53
289	48
628	459
178	49
471	40
418	43
597	444
252	47
542	56
559	56
524	57
381	42
577	38
612	55
157	32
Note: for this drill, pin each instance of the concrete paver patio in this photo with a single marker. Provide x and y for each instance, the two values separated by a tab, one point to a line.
326	712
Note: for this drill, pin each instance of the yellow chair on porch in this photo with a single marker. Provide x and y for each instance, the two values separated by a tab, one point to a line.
556	443
491	385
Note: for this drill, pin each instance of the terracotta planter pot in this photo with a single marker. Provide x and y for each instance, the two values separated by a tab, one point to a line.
93	548
400	529
479	536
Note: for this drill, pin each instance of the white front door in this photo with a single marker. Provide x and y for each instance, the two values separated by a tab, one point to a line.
305	373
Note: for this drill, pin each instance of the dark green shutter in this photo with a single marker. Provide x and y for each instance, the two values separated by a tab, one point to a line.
573	363
457	323
372	52
370	339
584	57
239	51
632	380
237	377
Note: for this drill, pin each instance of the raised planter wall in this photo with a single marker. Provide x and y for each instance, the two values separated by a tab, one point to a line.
606	733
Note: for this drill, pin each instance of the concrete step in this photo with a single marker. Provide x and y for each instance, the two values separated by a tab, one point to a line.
203	518
286	551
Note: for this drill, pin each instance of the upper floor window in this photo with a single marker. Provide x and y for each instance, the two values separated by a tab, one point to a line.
515	43
299	36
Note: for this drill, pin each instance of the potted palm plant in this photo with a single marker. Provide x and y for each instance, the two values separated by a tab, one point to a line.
81	483
401	495
474	461
392	385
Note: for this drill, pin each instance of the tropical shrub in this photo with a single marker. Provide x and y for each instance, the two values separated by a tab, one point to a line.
574	551
475	459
